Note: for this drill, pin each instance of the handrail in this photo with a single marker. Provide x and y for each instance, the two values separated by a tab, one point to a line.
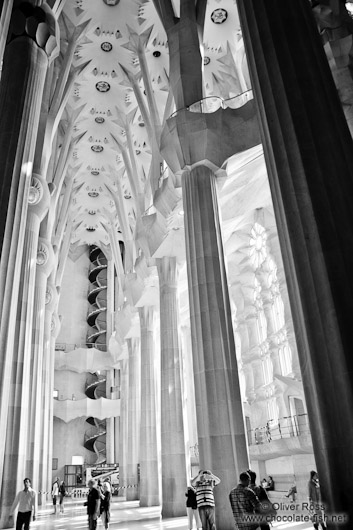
286	427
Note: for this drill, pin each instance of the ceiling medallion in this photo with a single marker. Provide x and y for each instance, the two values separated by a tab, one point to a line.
95	173
156	53
218	16
97	148
127	196
92	212
106	46
93	194
102	86
111	2
206	60
99	119
90	229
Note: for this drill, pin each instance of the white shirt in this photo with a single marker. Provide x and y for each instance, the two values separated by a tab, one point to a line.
55	490
26	501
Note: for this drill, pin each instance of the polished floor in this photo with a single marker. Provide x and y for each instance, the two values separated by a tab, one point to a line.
125	515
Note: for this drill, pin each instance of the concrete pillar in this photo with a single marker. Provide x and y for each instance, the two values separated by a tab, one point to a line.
23	77
110	383
134	417
220	423
149	465
5	15
309	155
172	425
124	404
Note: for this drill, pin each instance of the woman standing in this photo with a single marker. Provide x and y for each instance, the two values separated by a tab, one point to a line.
105	505
62	493
191	508
314	495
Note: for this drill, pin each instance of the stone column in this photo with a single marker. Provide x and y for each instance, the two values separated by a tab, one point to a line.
172	424
22	83
124	404
134	418
110	383
149	466
220	422
5	16
309	155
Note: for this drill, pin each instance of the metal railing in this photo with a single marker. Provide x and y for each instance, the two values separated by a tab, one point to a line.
287	427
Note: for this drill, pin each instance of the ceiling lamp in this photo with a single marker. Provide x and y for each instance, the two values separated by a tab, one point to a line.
156	54
218	16
90	229
206	60
99	119
111	2
97	148
102	86
95	173
106	46
93	194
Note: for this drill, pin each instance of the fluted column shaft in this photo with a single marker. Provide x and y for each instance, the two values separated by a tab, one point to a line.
110	422
309	155
134	416
172	424
20	95
124	404
220	423
149	468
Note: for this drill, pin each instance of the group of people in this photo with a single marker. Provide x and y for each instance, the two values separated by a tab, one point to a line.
246	499
58	491
98	503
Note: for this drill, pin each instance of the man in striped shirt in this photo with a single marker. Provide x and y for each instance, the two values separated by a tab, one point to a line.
204	484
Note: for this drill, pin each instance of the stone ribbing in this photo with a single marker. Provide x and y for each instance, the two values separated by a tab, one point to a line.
309	156
172	425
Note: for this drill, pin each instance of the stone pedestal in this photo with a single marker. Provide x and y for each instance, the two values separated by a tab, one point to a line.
309	155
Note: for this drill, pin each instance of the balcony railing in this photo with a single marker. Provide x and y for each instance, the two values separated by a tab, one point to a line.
287	427
210	104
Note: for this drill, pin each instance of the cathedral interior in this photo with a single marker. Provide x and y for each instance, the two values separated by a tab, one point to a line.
176	246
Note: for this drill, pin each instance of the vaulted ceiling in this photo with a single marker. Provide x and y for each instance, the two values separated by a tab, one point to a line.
114	167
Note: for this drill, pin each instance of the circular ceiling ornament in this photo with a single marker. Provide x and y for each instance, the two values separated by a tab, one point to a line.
106	46
156	54
90	229
111	3
97	148
127	196
99	119
92	212
95	173
93	194
218	16
102	86
206	60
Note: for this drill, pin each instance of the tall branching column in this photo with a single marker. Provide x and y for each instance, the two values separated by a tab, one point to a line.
220	423
172	424
149	468
21	89
309	155
134	416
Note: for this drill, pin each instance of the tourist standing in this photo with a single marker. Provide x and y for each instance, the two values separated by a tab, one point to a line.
204	484
93	505
244	504
191	508
26	500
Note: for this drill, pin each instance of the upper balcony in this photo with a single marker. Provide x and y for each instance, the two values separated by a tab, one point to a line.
284	437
